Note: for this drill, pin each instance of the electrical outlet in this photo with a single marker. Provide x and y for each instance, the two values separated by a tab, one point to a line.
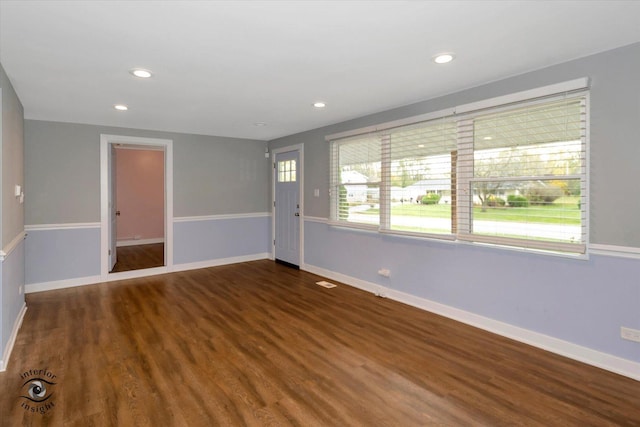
630	334
384	272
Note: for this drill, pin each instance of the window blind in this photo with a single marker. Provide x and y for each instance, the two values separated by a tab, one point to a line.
355	180
525	178
421	160
509	175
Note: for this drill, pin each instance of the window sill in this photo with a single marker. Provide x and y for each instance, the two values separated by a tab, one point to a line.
453	239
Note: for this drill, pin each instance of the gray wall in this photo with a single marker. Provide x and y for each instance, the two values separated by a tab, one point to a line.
12	160
212	175
615	144
12	212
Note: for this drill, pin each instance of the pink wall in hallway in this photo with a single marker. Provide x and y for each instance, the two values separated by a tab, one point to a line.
140	194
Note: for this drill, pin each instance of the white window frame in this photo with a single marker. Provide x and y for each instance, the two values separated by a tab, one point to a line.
464	116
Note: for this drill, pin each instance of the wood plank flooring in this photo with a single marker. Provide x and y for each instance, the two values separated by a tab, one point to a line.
138	257
259	344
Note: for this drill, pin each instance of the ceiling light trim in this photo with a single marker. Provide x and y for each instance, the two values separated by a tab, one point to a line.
443	57
141	73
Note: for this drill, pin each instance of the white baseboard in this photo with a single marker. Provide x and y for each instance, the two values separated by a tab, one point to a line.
134	242
12	339
220	261
92	280
61	284
621	366
134	274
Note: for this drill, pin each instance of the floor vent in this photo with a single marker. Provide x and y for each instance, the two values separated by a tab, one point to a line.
326	284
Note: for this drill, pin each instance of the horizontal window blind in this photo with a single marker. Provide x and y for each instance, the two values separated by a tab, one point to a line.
421	167
355	179
527	183
513	175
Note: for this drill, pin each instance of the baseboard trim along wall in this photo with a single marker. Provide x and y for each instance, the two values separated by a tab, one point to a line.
61	284
221	261
586	355
92	280
12	339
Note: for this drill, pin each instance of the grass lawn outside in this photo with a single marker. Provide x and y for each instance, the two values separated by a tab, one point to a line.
564	211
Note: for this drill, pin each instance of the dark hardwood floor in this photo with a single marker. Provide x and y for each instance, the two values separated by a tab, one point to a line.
259	344
139	256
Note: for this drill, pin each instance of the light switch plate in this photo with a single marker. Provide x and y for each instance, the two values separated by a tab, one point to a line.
630	334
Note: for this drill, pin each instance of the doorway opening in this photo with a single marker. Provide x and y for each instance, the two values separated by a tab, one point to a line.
136	206
139	204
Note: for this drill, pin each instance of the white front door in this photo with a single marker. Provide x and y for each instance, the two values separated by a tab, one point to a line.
287	208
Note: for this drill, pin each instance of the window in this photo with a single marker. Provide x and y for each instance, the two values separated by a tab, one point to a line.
287	171
511	175
420	176
527	173
356	180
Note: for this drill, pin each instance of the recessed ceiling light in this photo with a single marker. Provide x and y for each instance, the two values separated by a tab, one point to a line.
488	138
141	72
420	145
319	104
443	58
121	107
259	124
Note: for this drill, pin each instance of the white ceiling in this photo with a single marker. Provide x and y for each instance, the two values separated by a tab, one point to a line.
222	66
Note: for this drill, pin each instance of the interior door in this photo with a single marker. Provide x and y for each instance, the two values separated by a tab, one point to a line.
113	255
287	208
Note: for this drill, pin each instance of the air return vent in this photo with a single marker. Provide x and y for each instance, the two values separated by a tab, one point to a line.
326	284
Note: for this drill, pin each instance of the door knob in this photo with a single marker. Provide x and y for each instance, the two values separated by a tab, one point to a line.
297	214
117	213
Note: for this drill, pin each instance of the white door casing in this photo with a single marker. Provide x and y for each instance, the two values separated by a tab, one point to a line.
113	230
106	227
